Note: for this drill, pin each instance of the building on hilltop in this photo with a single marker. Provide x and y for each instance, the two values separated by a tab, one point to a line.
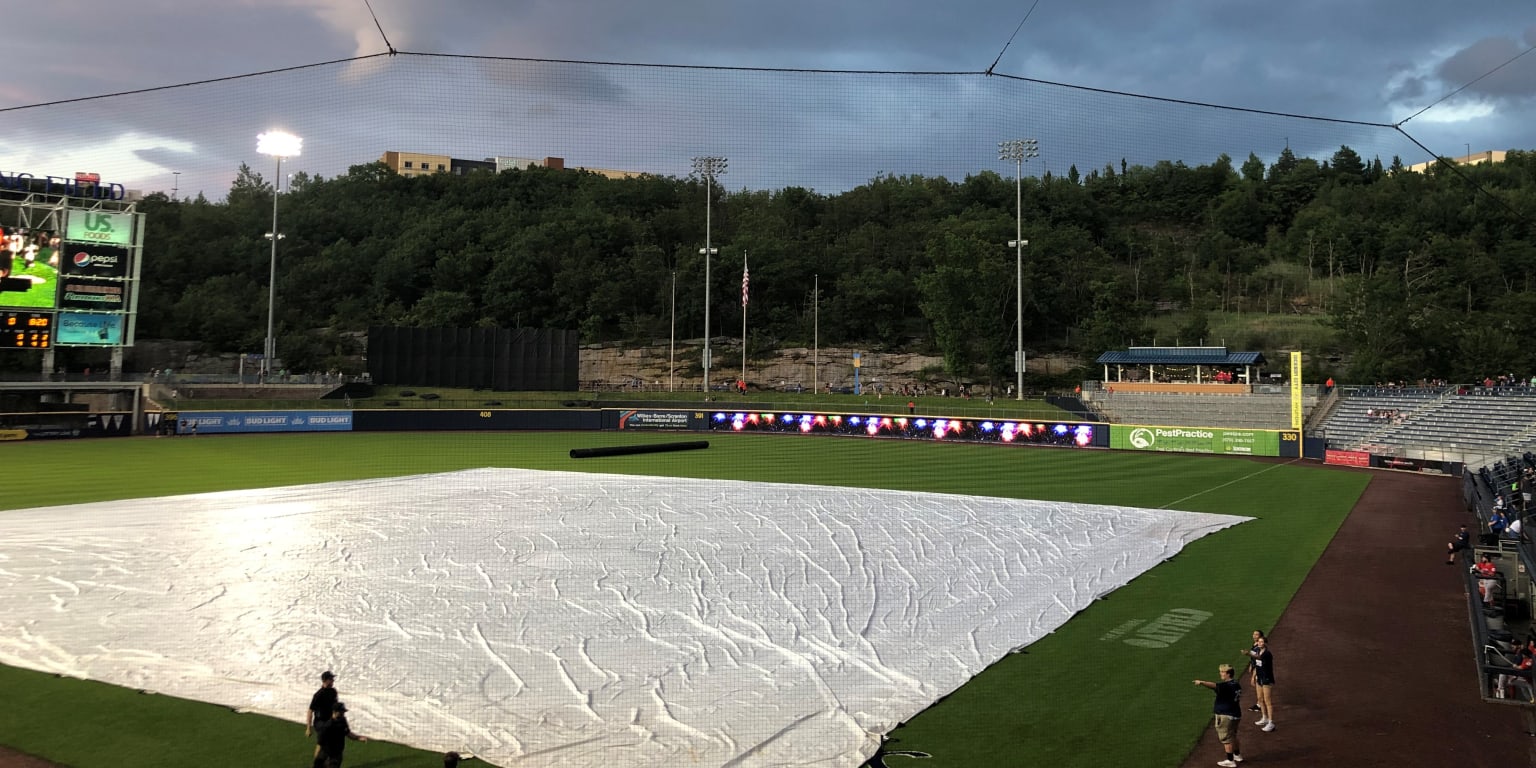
1476	158
421	164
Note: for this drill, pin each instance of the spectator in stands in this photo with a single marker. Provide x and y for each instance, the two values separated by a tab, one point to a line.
1328	385
1487	575
1516	530
1497	522
1463	540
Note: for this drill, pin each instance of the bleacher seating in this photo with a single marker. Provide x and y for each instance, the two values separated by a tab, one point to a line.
1246	411
1494	419
1349	425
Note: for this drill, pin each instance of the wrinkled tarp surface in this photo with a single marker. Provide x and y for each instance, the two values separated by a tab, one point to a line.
568	619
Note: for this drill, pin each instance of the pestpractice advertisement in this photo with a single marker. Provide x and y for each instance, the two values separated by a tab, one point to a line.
1250	442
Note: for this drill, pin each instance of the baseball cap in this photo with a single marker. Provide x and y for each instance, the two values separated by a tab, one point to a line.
326	675
340	707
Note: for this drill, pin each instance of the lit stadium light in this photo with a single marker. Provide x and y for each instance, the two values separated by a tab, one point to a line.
277	144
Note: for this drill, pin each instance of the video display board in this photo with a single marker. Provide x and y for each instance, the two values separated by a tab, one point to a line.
29	258
61	252
88	329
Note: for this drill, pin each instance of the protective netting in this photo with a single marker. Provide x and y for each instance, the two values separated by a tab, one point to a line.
828	131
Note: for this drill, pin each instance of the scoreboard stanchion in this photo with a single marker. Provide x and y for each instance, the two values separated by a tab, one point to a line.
26	330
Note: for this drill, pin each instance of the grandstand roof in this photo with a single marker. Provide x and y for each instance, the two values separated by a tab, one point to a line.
1180	356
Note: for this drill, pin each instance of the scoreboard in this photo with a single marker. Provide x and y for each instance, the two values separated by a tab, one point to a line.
26	330
69	270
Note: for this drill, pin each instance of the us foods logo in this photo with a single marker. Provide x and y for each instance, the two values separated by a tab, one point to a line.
1142	437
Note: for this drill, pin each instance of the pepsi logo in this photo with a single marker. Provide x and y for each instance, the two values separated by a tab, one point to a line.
84	259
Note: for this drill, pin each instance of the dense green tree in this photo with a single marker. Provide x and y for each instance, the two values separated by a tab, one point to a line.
1420	273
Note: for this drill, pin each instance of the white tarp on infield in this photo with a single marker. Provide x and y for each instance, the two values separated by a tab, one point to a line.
568	619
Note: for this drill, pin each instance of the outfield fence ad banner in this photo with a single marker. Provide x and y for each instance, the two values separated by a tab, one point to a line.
1348	458
648	420
225	422
1248	442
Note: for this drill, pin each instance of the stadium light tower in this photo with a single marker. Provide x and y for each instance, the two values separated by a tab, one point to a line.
1019	151
278	144
708	166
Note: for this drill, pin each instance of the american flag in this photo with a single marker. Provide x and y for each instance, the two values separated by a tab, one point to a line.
744	281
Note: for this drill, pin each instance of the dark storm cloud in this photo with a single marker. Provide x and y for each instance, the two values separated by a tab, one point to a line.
1373	60
1517	80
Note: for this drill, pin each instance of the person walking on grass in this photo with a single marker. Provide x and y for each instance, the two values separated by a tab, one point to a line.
331	738
1227	713
1263	681
321	706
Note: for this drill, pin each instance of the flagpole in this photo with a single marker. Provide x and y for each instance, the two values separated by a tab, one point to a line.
743	319
816	324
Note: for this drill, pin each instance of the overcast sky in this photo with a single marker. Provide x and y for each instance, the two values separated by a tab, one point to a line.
1374	61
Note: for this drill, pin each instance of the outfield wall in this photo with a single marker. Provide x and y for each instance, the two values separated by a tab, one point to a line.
1065	433
1222	440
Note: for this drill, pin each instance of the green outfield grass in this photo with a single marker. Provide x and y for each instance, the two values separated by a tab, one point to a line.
1080	697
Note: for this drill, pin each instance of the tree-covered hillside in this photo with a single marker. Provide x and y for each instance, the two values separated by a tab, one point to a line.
1421	274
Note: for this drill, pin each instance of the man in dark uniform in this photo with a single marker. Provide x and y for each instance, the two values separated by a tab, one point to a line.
1462	541
331	738
321	705
1227	713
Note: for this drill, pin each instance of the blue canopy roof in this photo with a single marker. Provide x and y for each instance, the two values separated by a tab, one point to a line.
1180	356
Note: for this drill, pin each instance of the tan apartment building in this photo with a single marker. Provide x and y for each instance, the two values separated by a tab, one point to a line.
420	163
1476	158
416	163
